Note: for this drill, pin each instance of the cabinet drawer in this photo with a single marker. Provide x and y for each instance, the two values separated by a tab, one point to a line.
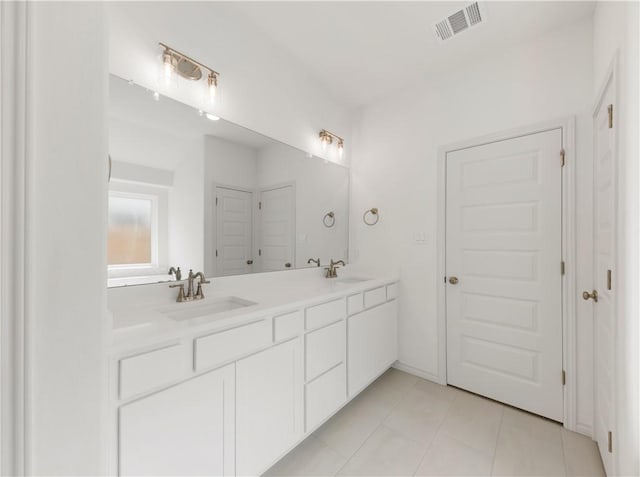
324	396
147	371
226	345
392	291
324	349
354	304
287	326
319	315
375	297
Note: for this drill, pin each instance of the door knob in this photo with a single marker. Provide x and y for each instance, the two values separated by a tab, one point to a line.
249	262
594	295
453	280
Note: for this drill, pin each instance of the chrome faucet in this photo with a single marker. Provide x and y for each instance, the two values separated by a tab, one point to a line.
313	260
190	296
176	271
332	269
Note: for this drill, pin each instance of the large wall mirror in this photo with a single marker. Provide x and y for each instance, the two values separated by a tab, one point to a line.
194	191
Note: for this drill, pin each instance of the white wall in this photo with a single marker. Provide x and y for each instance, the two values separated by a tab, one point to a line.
225	164
261	87
66	238
394	163
320	187
616	30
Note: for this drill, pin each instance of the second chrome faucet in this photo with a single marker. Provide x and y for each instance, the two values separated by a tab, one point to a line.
190	295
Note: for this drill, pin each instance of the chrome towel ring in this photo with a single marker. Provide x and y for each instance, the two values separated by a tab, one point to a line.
329	219
375	216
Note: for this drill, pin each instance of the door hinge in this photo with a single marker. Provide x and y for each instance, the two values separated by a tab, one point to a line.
610	111
216	252
259	252
608	279
610	442
216	201
562	268
564	377
562	157
260	205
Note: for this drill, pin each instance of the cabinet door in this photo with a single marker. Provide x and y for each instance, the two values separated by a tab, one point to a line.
372	344
187	429
269	400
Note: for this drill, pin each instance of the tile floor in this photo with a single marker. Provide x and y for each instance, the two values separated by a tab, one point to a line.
403	425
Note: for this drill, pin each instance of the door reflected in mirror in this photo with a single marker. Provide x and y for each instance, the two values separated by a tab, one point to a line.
190	192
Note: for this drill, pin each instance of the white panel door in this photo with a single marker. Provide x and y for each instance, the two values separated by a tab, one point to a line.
277	228
187	429
234	218
269	406
503	246
604	242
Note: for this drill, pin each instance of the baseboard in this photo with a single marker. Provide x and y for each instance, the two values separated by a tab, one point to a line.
585	429
418	372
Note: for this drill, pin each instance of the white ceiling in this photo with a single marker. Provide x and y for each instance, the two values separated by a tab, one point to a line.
361	51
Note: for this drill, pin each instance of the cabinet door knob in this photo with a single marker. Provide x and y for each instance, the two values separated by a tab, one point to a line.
249	262
593	295
287	265
453	280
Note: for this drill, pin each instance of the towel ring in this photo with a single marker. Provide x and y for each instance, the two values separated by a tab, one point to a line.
373	211
329	219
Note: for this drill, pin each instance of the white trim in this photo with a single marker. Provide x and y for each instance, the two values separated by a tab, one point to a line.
13	143
567	126
416	372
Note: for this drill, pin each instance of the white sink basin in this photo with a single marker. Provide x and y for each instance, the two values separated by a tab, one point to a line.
208	307
351	280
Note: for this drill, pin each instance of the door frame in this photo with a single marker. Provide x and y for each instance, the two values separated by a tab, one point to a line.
15	391
568	233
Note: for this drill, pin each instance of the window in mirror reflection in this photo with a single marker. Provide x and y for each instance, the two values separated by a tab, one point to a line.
131	238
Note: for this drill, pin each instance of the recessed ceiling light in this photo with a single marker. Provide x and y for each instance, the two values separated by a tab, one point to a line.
212	117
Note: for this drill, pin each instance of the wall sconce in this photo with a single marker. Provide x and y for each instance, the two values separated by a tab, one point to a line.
326	138
175	62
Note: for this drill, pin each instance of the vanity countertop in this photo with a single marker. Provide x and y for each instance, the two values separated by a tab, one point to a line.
142	320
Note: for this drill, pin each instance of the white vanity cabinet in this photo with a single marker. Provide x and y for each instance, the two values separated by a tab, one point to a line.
372	339
183	430
232	399
269	406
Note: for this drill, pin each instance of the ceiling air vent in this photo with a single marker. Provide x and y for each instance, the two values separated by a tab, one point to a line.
460	21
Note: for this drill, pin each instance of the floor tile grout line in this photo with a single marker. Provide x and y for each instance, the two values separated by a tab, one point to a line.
435	435
495	448
374	430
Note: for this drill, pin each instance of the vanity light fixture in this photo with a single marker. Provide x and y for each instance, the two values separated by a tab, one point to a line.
175	62
326	138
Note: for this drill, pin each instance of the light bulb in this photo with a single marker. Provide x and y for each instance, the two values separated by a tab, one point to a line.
212	117
156	96
168	66
213	86
340	148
